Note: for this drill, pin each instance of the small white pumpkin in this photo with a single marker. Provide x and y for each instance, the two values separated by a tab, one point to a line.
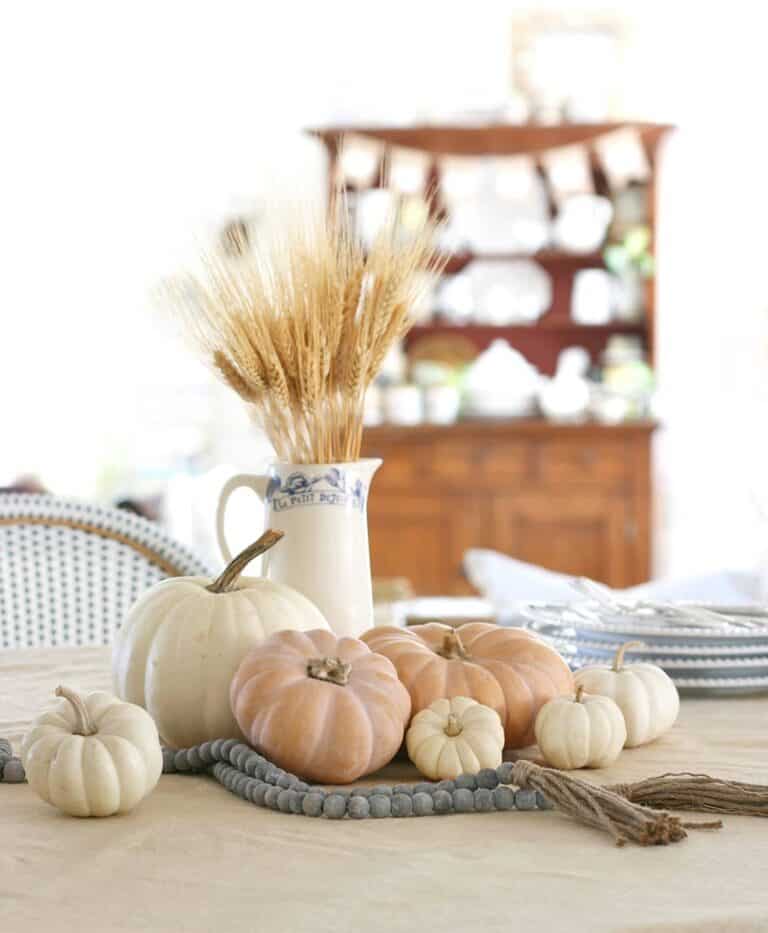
580	732
92	756
184	639
453	737
643	692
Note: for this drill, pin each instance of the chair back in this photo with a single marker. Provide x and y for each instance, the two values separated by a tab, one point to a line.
70	570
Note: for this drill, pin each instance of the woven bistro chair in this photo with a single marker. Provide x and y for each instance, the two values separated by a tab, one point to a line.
70	570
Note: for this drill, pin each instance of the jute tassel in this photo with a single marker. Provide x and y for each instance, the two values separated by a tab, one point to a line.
603	807
687	791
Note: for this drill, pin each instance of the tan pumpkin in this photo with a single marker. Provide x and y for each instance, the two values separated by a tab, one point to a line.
508	669
328	709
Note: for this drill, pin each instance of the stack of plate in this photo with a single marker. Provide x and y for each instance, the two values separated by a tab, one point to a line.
707	650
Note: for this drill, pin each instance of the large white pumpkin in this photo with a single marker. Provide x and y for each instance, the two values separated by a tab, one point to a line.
643	692
184	639
92	756
580	732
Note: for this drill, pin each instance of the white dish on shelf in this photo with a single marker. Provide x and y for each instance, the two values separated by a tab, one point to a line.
515	291
582	223
489	223
501	383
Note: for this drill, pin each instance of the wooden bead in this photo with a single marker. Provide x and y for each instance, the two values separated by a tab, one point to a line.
402	805
466	781
169	757
381	805
284	801
334	806
253	765
256	792
443	801
313	803
13	772
487	777
504	772
483	799
194	761
204	750
359	808
463	800
227	747
270	798
272	774
423	804
503	798
180	760
525	799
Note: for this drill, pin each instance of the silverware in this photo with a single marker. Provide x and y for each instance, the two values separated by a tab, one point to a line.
691	615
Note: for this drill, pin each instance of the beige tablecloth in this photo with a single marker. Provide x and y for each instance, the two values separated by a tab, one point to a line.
195	858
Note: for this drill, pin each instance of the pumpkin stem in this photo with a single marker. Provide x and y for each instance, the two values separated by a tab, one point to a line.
83	722
453	726
452	648
579	693
334	670
231	573
618	661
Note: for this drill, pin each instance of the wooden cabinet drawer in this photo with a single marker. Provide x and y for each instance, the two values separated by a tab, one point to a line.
402	468
585	463
457	464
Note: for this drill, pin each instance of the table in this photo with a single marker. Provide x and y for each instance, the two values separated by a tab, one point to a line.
195	858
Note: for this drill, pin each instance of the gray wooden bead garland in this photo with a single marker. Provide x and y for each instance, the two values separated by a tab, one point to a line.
627	812
249	775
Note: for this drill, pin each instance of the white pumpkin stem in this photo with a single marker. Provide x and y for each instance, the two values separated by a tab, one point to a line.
452	649
83	722
231	573
334	670
453	726
579	694
618	661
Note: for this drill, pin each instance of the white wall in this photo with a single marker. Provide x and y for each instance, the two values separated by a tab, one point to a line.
712	456
129	127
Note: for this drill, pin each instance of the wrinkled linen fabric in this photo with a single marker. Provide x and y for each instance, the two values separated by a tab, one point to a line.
192	857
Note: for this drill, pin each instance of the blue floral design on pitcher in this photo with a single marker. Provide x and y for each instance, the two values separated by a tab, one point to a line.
330	489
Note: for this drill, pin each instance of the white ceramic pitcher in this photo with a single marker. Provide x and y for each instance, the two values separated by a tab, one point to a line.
324	554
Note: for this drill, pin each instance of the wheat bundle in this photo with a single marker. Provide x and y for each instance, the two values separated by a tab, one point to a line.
299	326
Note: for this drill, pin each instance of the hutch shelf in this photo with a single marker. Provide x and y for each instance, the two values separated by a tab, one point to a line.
573	498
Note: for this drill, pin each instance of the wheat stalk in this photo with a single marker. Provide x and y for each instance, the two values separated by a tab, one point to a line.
300	327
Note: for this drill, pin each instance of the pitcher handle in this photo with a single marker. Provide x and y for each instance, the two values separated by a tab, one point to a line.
257	483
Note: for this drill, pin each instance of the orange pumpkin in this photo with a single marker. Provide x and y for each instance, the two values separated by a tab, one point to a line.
325	708
508	669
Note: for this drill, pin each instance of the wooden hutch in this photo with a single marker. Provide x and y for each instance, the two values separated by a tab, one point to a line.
572	498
